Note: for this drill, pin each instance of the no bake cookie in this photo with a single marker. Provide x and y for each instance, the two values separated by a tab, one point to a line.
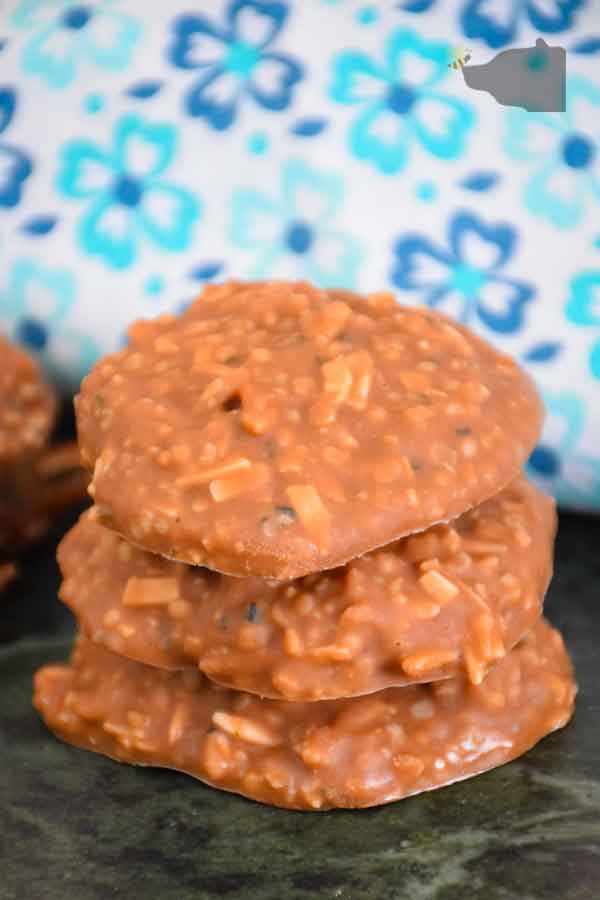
276	429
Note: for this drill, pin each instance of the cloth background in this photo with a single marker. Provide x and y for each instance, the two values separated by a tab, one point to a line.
146	148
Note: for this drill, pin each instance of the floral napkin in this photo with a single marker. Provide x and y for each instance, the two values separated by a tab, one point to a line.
146	148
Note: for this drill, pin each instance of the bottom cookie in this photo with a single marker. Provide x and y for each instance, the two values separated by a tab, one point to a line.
333	753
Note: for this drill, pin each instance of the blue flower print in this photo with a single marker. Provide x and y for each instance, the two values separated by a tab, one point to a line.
497	23
557	464
65	34
15	165
415	6
294	234
35	307
583	308
235	59
466	279
564	149
400	102
128	200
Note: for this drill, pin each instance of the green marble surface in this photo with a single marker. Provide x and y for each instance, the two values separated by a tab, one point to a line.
78	827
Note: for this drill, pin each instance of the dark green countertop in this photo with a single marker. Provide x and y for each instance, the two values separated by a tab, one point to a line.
76	826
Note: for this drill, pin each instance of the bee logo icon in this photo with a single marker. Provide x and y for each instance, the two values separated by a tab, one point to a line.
460	57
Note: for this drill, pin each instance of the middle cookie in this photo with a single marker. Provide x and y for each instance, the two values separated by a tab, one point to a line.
452	599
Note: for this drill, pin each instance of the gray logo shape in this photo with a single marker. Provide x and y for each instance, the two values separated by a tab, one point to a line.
533	78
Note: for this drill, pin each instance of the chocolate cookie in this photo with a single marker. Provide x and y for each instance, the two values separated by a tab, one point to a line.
452	599
27	406
277	430
33	493
338	753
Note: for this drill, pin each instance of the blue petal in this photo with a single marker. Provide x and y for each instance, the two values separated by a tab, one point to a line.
200	104
478	24
167	214
310	194
480	181
511	319
569	412
563	17
39	225
334	260
448	141
405	273
502	235
101	234
256	220
26	277
53	55
530	137
595	360
142	90
8	100
582	308
160	138
206	271
278	95
356	78
415	6
81	158
186	28
543	352
388	156
308	127
404	44
542	200
19	168
587	46
273	13
110	38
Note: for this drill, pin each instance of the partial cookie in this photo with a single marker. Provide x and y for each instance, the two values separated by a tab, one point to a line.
27	412
27	405
452	599
7	573
275	429
338	753
34	492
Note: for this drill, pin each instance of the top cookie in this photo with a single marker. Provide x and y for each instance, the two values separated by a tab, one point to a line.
27	405
276	429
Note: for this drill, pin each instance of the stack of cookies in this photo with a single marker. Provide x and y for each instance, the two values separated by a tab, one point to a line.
314	571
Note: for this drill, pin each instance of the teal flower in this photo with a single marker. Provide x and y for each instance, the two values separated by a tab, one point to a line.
400	102
557	464
128	199
66	34
294	234
564	150
583	308
35	307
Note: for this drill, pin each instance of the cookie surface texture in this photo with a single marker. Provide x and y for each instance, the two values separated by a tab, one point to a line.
339	753
275	429
453	599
